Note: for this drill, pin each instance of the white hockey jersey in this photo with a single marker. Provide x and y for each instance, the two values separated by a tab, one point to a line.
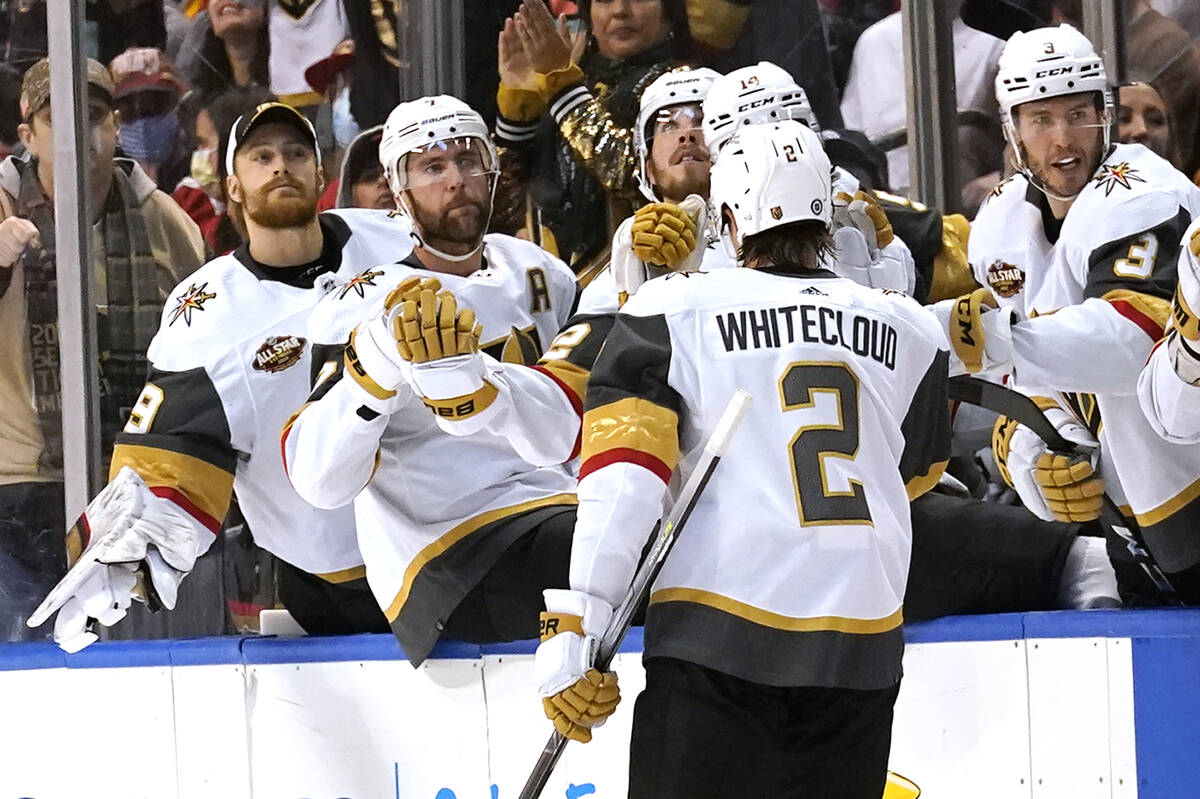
434	512
1172	406
793	566
302	33
229	365
1092	298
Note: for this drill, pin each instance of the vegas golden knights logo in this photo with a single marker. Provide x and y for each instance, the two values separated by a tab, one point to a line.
777	212
539	293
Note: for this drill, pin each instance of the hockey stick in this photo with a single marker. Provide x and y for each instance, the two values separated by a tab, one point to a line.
1015	405
639	588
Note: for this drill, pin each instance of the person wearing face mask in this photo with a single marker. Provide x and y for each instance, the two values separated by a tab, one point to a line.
142	244
202	191
147	96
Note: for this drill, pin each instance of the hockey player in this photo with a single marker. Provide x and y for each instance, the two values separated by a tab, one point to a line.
1079	252
1169	386
867	251
850	420
228	366
459	534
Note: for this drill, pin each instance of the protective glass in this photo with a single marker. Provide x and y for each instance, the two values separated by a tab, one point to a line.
677	119
1042	124
447	161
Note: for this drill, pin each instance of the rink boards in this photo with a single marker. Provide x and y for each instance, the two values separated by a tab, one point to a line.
1063	705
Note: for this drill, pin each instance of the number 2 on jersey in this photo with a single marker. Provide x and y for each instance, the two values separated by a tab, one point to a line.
814	444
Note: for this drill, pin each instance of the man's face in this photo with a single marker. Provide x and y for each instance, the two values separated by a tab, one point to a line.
678	163
1142	118
38	136
1061	139
449	194
276	178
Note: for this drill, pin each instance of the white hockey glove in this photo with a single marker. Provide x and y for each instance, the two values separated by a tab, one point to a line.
140	544
979	332
1052	485
373	359
1183	340
866	248
575	696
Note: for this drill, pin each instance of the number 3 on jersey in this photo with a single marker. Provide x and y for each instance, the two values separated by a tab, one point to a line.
801	388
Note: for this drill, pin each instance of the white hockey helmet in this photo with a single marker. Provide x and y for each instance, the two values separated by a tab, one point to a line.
1049	62
771	175
752	95
680	86
418	124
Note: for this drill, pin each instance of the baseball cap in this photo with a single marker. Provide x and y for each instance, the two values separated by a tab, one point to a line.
35	87
262	114
141	69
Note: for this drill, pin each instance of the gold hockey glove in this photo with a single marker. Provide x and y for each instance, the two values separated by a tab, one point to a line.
430	326
663	234
576	696
863	204
585	703
1072	489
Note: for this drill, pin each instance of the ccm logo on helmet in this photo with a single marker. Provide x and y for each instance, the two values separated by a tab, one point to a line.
1049	73
753	104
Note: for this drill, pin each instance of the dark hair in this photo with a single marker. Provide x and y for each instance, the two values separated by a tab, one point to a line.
362	160
214	73
794	247
677	20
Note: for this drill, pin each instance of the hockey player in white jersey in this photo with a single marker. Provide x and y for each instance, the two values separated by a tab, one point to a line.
1169	386
1078	255
866	249
786	589
459	534
229	364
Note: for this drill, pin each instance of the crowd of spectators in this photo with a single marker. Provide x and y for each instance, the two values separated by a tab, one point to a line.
167	79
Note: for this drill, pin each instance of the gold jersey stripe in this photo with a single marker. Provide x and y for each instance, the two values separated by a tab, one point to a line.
925	482
344	575
209	487
1170	507
570	375
449	539
792	624
631	423
1154	308
463	407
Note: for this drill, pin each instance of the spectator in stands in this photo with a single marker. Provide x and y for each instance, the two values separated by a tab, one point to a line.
202	193
874	100
362	183
143	244
1143	117
566	110
147	97
227	47
115	26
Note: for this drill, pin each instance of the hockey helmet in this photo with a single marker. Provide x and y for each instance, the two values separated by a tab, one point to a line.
772	175
752	95
682	86
1049	62
418	125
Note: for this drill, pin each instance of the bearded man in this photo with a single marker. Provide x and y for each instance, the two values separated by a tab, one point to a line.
229	365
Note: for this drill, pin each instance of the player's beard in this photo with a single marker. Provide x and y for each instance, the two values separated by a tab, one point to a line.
281	212
456	230
1056	188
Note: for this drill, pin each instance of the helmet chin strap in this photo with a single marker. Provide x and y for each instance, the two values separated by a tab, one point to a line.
423	244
